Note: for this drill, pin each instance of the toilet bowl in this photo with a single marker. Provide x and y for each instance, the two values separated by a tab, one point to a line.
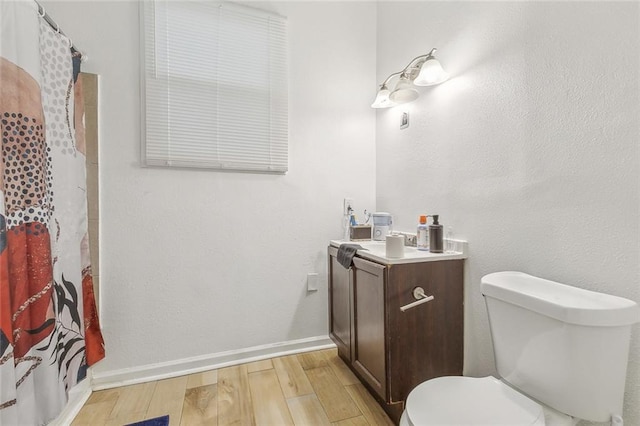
537	326
460	401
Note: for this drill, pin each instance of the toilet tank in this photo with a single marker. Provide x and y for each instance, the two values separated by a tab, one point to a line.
563	346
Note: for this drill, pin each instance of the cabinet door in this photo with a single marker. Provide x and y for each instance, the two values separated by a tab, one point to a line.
340	300
425	341
369	347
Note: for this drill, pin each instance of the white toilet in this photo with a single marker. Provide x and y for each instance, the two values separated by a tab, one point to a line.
561	353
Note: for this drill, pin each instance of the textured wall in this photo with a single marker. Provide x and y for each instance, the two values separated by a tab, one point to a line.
199	262
530	151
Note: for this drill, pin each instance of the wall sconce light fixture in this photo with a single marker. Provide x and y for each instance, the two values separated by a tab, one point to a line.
424	70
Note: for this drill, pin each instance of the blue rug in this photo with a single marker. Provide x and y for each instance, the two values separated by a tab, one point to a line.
158	421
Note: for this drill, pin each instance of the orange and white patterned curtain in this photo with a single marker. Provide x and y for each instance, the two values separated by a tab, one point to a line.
49	332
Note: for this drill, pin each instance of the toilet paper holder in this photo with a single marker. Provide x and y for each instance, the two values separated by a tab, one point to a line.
418	293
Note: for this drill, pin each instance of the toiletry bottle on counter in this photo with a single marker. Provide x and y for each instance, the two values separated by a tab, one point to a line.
436	242
422	235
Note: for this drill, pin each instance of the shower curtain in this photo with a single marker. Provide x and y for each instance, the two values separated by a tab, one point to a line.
49	332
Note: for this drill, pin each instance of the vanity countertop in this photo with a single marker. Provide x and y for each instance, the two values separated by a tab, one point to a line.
376	251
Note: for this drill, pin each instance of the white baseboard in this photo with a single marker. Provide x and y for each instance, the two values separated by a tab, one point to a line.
78	395
181	367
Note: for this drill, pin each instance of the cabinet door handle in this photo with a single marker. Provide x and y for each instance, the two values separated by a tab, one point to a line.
418	293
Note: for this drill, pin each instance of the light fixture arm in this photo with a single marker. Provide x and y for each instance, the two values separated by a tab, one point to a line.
417	64
390	77
417	60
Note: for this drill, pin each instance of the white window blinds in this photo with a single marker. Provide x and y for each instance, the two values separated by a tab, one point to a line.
215	87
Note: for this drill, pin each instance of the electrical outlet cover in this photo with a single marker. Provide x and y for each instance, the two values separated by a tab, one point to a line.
348	202
312	281
404	120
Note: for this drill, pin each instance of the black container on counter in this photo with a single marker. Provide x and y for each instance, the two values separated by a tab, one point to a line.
436	238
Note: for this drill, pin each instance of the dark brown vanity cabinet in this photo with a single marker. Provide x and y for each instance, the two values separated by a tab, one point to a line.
392	351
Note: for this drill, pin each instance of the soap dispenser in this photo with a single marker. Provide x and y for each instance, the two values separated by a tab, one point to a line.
436	241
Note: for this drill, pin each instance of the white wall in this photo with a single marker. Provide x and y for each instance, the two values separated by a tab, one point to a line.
530	152
200	262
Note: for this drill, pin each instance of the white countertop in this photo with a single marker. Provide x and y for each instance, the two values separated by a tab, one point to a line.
376	251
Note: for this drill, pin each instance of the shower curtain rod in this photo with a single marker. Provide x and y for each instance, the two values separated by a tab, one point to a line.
43	13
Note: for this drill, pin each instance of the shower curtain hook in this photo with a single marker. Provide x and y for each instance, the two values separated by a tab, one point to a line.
41	10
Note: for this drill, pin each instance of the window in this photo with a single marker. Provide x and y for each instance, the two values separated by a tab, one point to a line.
215	87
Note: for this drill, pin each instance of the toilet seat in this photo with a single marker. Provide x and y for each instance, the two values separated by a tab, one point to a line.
461	401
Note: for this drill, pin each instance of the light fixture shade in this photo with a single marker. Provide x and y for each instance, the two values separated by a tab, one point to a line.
382	99
431	73
404	92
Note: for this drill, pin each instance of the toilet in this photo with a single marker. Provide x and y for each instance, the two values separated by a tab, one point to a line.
561	354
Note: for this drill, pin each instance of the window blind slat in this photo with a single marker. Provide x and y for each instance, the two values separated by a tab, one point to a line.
216	87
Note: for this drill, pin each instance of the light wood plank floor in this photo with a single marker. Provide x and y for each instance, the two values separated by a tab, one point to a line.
313	388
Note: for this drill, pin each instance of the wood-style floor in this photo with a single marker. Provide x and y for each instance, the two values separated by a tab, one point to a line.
314	388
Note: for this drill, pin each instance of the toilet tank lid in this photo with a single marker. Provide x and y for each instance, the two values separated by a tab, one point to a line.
560	301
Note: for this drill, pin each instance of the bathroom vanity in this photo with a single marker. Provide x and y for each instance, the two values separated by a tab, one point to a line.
390	350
